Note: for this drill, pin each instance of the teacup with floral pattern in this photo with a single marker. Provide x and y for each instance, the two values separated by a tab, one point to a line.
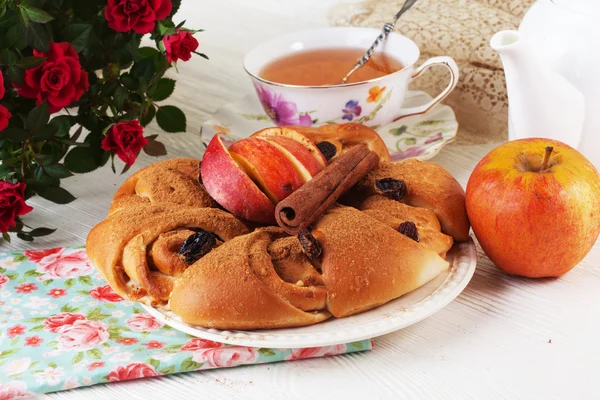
374	102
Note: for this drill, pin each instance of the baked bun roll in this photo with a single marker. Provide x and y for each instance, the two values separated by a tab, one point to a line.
428	186
393	213
237	286
136	248
344	136
366	263
173	182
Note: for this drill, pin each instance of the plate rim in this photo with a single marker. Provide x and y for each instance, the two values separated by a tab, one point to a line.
257	339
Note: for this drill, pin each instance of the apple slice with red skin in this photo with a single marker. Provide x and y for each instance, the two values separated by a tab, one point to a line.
272	171
301	158
297	137
229	185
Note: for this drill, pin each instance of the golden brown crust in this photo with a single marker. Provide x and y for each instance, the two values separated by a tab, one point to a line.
393	213
120	245
345	136
174	181
366	263
236	287
428	186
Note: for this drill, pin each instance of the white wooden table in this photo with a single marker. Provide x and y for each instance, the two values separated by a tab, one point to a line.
503	337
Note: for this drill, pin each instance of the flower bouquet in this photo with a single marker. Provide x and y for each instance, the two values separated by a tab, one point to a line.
77	89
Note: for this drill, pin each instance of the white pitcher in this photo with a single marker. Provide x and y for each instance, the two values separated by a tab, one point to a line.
552	67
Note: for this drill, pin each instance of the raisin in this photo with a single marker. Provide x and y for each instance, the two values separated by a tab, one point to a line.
409	229
389	187
327	149
197	245
309	244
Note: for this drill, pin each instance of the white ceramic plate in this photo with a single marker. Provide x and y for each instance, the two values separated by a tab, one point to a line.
418	136
395	315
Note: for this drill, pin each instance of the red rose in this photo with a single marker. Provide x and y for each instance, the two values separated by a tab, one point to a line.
5	116
196	344
132	371
105	293
59	79
39	256
2	90
12	201
126	139
180	46
139	15
56	322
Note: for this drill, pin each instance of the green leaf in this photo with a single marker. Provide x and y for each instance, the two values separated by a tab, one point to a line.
83	159
30	62
95	353
147	52
48	282
266	352
15	134
176	4
6	236
8	57
38	117
12	277
84	292
52	343
56	194
129	82
8	352
46	132
41	232
67	308
78	35
63	125
137	310
14	341
163	89
95	314
78	357
120	96
398	131
37	328
32	272
36	319
109	305
112	320
36	14
38	37
189	365
148	116
57	171
171	119
167	371
143	70
85	280
358	345
25	236
153	362
69	282
52	365
15	37
155	149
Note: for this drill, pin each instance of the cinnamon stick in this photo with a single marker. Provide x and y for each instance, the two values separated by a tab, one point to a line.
303	207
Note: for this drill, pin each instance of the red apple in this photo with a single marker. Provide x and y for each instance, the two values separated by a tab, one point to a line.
304	162
231	187
272	171
297	137
534	205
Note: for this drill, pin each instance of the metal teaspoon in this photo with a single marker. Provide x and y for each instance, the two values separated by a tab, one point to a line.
387	28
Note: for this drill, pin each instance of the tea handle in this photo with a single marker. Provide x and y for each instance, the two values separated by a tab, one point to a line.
447	62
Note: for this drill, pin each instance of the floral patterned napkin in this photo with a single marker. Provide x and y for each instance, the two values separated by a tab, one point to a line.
62	327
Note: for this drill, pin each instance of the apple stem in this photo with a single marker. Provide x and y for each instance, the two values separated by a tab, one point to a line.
546	157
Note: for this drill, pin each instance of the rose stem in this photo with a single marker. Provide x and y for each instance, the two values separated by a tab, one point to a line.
546	157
